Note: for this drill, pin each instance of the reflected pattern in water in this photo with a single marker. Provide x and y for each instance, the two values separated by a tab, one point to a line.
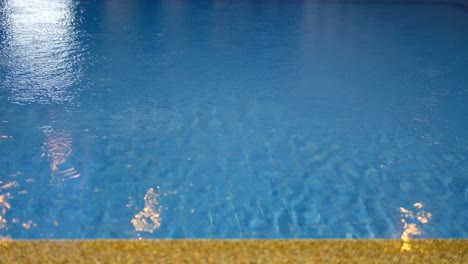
41	51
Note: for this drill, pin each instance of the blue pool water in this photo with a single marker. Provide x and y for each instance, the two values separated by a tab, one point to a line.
233	119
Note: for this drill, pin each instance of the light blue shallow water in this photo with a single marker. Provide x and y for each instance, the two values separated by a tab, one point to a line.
233	119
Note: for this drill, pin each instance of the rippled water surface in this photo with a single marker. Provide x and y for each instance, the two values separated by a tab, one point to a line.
233	119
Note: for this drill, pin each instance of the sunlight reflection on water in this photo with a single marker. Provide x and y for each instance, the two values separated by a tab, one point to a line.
42	52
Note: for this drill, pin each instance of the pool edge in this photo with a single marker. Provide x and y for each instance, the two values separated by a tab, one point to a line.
234	251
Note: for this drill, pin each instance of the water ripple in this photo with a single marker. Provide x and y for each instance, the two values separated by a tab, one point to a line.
41	50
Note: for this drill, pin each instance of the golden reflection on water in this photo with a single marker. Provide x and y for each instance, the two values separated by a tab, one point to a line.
57	149
7	192
148	219
8	185
4	207
411	223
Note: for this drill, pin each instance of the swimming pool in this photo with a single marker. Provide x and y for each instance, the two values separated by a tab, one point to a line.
233	119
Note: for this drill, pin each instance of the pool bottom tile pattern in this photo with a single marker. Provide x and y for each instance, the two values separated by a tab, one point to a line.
234	251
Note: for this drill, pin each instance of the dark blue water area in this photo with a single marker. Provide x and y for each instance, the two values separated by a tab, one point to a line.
233	119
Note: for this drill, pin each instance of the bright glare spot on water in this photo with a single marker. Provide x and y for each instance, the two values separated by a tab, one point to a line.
43	53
